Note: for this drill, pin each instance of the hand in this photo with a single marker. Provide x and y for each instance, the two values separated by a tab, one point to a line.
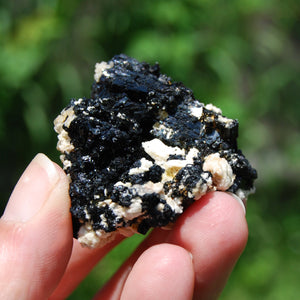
40	260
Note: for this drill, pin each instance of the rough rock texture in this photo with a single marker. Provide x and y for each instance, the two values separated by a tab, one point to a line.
141	150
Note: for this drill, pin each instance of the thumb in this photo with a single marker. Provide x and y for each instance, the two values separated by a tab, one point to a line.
35	233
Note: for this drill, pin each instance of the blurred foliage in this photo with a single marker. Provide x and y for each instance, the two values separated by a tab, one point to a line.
242	55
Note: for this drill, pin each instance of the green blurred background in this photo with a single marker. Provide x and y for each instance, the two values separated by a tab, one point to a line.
242	55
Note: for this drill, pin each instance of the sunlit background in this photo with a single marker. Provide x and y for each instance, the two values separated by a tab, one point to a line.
241	55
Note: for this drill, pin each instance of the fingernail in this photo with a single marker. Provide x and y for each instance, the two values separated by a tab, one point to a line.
239	200
32	190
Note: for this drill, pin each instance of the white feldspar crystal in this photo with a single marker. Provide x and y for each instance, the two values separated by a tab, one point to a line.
221	171
159	151
213	108
100	69
196	111
145	166
64	119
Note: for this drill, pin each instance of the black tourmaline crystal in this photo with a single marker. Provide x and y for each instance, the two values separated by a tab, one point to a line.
141	150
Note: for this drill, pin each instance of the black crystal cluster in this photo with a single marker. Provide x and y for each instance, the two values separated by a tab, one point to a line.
141	150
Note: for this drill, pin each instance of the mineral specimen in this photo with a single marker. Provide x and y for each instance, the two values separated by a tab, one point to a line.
141	150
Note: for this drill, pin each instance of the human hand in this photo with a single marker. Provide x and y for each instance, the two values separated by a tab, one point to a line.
39	259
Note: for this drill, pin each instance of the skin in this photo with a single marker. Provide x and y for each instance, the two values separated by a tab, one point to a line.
40	259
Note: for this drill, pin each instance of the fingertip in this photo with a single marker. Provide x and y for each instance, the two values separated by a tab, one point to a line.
239	200
231	210
50	230
215	213
39	209
163	271
214	230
